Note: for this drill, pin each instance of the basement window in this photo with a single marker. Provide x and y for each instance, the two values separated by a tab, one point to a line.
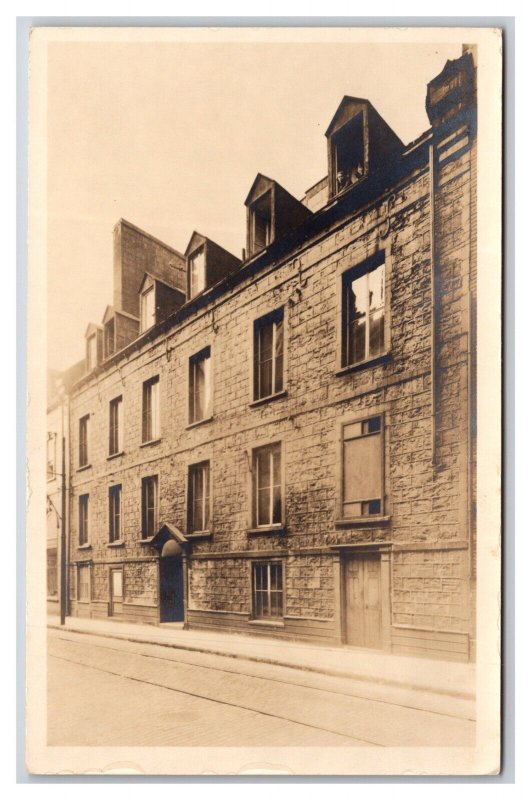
267	590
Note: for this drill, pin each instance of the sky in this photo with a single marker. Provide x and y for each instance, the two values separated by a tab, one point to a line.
170	136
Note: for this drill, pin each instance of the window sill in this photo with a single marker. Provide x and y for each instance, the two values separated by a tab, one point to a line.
149	443
147	540
84	547
262	400
266	529
363	522
383	358
115	455
84	467
121	543
267	623
199	422
199	535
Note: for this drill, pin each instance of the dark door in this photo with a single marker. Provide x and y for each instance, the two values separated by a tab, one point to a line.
363	602
171	589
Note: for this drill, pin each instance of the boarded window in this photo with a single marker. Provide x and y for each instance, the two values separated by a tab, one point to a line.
362	468
269	355
267	590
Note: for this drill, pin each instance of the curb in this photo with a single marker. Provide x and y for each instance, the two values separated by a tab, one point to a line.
336	673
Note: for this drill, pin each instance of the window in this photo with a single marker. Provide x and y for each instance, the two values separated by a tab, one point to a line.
83	519
115	426
50	456
92	352
83	441
199	497
115	513
197	272
83	583
267	499
362	468
51	572
108	338
363	313
147	309
269	355
200	388
149	506
267	590
150	410
348	153
261	223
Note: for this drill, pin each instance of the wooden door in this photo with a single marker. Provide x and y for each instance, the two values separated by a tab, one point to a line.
117	592
171	589
363	602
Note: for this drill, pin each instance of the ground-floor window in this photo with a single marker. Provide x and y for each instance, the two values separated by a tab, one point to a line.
83	583
267	590
51	572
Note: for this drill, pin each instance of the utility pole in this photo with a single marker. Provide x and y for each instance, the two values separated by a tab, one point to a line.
63	598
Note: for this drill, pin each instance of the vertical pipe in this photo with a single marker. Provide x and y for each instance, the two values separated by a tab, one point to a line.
63	523
433	357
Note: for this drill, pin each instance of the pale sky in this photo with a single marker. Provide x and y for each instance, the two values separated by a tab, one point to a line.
170	136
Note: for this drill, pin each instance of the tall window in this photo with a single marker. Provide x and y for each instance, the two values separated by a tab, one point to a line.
362	468
115	426
150	487
200	386
199	497
197	272
267	590
50	456
83	583
115	513
147	309
92	351
363	313
269	354
267	500
150	410
261	223
83	519
83	441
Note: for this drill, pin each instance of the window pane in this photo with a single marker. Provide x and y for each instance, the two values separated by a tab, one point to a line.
264	499
197	273
279	356
265	360
263	468
155	429
277	505
377	307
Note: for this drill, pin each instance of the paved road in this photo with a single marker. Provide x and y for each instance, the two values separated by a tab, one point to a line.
104	691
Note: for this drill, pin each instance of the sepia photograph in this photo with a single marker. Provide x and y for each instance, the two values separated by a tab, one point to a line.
264	362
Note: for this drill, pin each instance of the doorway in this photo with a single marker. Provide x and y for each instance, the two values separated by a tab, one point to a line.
363	601
171	589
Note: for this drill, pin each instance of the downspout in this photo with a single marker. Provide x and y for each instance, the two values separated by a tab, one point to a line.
433	359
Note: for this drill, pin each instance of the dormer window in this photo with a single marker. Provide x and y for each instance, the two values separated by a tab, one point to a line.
348	153
261	223
147	309
108	338
197	272
92	352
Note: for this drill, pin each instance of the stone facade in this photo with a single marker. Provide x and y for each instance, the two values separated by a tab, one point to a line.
418	213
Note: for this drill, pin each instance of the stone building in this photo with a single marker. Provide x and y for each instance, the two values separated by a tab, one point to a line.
284	445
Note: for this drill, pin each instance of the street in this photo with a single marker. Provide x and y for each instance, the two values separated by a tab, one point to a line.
108	692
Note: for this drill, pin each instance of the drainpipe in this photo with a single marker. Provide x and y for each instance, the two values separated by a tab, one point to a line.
433	358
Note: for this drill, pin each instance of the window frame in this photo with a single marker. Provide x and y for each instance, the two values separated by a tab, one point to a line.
255	208
83	531
146	479
85	568
84	423
150	290
116	429
345	278
190	260
261	618
154	429
206	501
274	527
272	318
201	355
115	489
107	339
383	515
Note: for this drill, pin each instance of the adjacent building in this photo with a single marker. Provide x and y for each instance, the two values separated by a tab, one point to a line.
285	444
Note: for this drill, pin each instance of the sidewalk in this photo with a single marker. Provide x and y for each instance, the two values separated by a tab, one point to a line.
454	679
